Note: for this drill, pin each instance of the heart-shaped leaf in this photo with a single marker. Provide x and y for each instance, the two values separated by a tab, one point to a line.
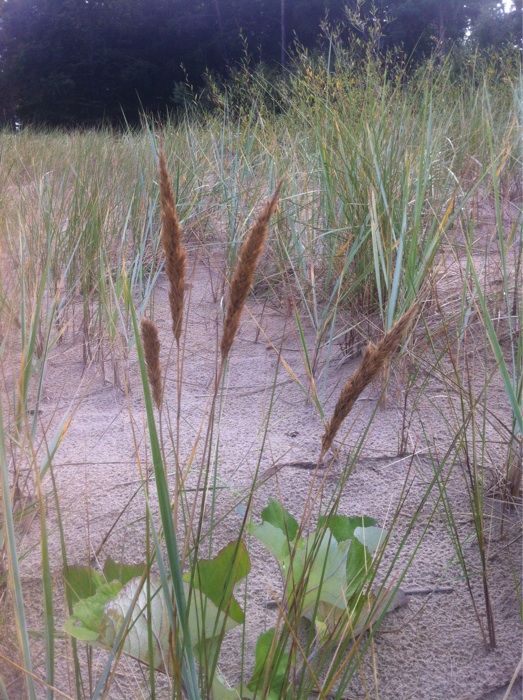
82	581
114	571
102	608
276	515
217	577
343	526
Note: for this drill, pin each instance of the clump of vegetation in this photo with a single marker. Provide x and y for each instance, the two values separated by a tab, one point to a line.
400	201
327	575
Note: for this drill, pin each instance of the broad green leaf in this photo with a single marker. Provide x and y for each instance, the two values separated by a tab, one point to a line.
82	581
99	618
136	640
370	537
368	609
113	571
325	578
342	526
217	577
326	573
277	672
359	562
86	621
276	515
78	631
277	531
221	691
205	621
333	624
275	540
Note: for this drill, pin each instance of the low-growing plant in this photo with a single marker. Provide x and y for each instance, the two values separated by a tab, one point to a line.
327	576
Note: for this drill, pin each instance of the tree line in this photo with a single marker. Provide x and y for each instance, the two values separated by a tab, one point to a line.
85	62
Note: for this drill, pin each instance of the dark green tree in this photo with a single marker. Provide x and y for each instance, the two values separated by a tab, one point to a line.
495	26
420	25
82	62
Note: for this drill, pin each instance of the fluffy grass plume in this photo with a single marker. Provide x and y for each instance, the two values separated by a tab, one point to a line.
243	276
174	249
151	346
374	359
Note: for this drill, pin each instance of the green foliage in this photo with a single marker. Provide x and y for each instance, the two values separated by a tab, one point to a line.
343	527
113	571
216	578
72	63
88	613
276	515
334	575
265	645
82	581
326	569
115	605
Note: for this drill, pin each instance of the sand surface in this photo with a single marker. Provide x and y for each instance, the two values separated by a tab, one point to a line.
430	649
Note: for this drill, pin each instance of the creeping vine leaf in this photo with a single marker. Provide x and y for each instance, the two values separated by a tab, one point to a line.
88	613
276	514
327	576
114	571
326	573
103	606
132	599
342	526
216	578
82	581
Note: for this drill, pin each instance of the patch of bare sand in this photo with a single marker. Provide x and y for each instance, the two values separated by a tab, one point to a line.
431	649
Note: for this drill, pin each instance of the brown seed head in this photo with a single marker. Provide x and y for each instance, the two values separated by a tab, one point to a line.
151	346
243	276
173	247
374	358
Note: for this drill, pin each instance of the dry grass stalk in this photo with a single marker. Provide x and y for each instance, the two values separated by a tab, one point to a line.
243	275
374	359
173	247
151	346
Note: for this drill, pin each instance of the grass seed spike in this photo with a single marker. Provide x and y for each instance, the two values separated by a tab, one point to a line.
373	361
173	247
243	276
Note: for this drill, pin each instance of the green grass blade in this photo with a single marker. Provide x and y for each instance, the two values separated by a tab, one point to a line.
166	518
10	538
